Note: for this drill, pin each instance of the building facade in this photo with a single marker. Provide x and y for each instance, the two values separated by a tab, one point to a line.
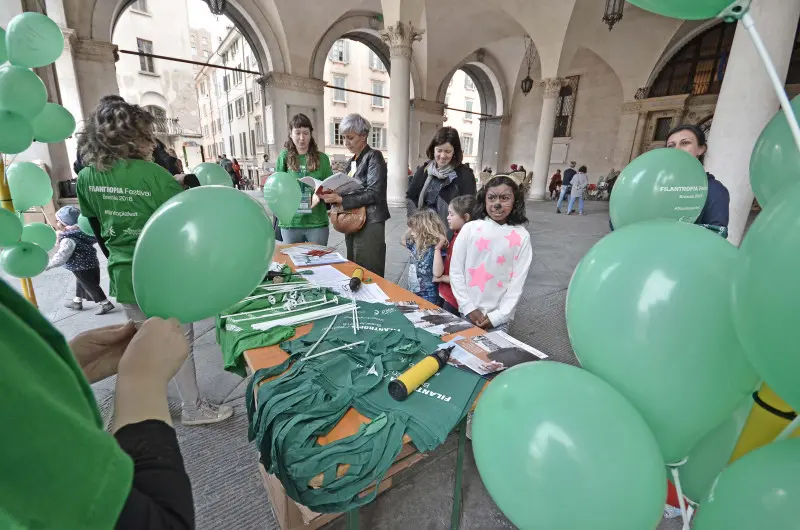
165	88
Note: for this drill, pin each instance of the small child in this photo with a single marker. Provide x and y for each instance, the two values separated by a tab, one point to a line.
492	256
77	254
459	213
424	238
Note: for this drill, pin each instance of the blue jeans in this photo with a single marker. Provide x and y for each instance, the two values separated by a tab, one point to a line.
572	198
564	192
306	235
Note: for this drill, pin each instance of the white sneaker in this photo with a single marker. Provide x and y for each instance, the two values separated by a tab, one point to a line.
206	413
671	512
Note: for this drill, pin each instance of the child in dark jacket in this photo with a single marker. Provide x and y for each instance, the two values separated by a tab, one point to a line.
77	254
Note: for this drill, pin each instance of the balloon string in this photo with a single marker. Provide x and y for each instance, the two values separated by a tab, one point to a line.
676	479
789	430
780	91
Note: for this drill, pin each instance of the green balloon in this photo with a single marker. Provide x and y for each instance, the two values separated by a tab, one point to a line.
684	9
29	184
282	193
24	260
211	174
3	52
16	133
33	40
670	346
764	295
558	448
10	228
760	490
22	91
775	151
40	234
660	184
53	124
83	224
711	454
182	262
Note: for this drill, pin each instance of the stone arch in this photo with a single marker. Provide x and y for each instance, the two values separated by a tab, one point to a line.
691	29
483	69
154	99
363	27
246	15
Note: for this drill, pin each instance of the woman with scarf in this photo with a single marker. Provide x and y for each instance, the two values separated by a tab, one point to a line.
441	179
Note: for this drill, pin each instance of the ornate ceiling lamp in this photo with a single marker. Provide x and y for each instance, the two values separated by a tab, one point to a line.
217	7
613	12
530	55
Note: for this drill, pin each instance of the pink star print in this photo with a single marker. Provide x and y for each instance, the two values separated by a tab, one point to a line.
482	244
479	277
500	284
513	239
501	260
511	276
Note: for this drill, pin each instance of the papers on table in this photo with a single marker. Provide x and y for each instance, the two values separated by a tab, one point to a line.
310	255
337	281
491	353
435	321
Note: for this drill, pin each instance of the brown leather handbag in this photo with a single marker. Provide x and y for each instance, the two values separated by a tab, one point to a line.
347	221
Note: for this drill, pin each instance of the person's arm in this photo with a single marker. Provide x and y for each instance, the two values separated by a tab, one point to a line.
414	189
97	230
467	186
375	188
438	259
65	249
515	285
458	272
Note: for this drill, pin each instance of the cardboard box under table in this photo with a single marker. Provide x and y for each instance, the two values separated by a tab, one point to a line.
290	514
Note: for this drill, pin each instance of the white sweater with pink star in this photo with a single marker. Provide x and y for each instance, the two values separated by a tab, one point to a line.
488	269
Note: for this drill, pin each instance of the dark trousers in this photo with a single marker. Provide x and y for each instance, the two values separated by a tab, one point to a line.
367	247
88	285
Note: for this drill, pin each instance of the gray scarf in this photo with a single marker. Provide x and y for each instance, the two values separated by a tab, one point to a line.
447	173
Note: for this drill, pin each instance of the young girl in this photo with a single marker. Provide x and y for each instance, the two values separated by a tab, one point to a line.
77	254
491	256
459	213
424	238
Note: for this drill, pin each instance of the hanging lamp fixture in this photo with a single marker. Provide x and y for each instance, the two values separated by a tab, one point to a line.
613	12
217	7
530	55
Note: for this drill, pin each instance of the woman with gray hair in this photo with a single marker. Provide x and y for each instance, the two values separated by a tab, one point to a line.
367	247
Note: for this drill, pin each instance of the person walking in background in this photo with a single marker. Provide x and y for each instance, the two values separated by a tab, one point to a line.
460	212
555	182
77	254
565	184
425	238
236	174
117	144
441	179
579	183
492	256
300	158
367	246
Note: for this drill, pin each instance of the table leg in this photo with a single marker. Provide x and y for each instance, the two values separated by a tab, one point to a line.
351	519
455	519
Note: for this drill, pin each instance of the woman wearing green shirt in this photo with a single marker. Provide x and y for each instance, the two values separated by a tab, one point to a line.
302	158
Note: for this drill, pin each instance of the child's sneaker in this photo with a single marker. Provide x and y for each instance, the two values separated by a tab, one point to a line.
76	306
206	413
105	307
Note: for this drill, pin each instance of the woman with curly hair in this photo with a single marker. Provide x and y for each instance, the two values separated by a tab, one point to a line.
301	157
118	191
426	235
492	256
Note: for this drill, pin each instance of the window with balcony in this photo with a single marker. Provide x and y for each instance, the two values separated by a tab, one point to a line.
259	131
243	143
230	112
565	107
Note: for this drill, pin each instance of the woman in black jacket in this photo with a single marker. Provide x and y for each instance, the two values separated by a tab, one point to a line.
367	247
443	178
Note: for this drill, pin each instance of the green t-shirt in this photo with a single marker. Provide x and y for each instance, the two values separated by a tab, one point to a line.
123	199
59	468
319	214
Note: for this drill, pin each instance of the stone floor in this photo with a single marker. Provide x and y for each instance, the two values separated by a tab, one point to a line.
222	465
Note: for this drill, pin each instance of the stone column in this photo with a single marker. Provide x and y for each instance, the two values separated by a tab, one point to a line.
290	95
631	126
96	71
68	87
747	102
400	37
427	117
544	143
